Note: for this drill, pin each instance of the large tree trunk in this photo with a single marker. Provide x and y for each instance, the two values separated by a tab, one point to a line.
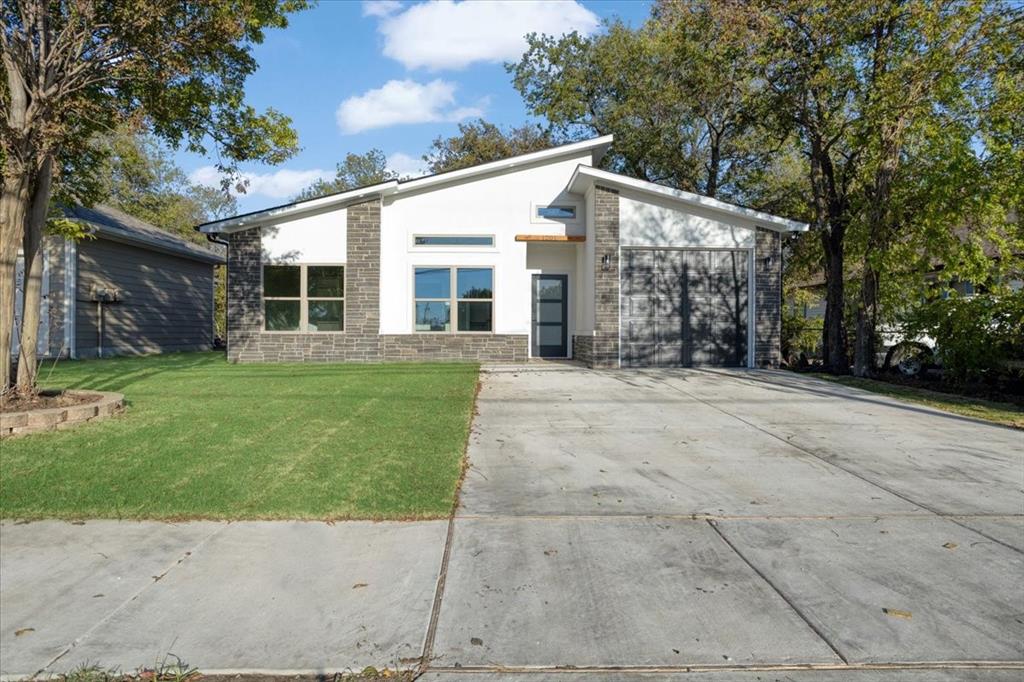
867	313
14	204
35	224
834	330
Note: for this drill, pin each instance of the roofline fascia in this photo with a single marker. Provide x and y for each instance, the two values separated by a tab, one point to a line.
393	187
770	221
293	210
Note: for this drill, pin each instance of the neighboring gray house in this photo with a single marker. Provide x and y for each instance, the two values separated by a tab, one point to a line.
543	255
130	289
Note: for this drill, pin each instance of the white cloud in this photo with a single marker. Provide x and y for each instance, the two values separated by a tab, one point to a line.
380	8
405	101
280	184
453	35
406	166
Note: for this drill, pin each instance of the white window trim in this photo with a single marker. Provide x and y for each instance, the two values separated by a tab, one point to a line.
303	298
453	300
538	220
435	248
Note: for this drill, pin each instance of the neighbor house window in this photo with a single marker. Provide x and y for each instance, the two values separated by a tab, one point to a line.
452	240
307	298
553	212
469	291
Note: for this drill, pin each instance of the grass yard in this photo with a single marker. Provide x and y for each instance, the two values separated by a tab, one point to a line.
202	438
1006	414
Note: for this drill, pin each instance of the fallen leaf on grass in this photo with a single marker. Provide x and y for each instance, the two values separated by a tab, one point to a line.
951	545
358	585
23	631
898	613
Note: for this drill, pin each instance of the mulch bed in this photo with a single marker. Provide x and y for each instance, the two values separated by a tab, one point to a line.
45	400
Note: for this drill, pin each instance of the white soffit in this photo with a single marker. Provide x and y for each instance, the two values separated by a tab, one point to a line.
584	176
598	146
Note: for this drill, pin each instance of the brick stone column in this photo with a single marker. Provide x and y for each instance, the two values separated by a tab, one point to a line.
768	299
362	282
244	309
605	351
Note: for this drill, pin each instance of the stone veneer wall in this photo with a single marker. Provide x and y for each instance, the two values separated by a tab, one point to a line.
768	311
605	344
583	349
361	341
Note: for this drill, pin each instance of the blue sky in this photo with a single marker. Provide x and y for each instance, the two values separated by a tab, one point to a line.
394	75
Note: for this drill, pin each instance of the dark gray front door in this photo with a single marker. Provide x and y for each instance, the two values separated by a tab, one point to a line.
684	307
550	316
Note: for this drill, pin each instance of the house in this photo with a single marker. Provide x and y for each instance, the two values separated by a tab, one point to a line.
542	255
131	288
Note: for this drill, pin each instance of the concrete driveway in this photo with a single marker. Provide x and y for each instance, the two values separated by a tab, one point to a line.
739	525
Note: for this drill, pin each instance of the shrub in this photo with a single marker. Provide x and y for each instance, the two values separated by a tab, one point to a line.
975	337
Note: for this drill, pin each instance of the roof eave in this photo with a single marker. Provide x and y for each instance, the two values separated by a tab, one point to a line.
584	175
141	241
294	210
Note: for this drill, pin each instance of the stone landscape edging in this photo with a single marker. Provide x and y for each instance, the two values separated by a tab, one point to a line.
53	418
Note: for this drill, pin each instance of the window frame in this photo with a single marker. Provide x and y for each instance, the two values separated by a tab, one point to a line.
304	298
576	206
453	299
457	247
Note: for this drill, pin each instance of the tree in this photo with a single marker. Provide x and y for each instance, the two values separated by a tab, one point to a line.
864	85
77	67
357	170
679	94
479	142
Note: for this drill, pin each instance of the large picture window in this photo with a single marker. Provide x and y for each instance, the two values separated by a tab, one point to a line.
470	291
309	298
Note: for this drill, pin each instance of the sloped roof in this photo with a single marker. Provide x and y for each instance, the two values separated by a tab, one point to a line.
116	225
587	174
597	146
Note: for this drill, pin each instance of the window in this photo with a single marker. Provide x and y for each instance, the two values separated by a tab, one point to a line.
469	290
307	298
453	240
567	212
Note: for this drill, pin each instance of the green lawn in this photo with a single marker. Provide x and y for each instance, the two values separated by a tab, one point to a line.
1006	414
202	438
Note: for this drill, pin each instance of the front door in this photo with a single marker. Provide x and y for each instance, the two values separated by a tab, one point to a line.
550	316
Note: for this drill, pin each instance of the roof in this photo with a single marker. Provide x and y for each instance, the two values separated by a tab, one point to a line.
116	225
585	175
598	146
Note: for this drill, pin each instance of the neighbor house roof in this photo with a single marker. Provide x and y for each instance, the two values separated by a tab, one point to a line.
598	146
116	225
587	175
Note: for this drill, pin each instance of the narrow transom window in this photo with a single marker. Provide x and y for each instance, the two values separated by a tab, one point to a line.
308	298
557	212
453	240
470	291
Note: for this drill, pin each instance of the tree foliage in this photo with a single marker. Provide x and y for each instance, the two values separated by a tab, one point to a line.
479	142
357	170
75	68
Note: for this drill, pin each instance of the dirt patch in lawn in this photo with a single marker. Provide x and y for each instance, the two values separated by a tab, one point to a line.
45	400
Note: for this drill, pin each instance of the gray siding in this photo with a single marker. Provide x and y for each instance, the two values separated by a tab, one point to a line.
166	301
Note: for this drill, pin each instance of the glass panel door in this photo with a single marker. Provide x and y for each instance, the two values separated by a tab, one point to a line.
550	316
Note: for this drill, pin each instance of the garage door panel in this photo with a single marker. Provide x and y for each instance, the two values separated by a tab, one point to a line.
684	307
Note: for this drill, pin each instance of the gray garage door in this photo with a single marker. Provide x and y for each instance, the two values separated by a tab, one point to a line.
684	307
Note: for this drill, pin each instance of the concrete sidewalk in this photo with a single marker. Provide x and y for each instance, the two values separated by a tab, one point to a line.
628	525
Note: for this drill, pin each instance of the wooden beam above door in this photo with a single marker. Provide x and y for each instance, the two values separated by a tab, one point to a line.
550	238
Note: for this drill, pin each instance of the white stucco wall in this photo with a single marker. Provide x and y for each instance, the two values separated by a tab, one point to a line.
315	239
645	220
501	205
